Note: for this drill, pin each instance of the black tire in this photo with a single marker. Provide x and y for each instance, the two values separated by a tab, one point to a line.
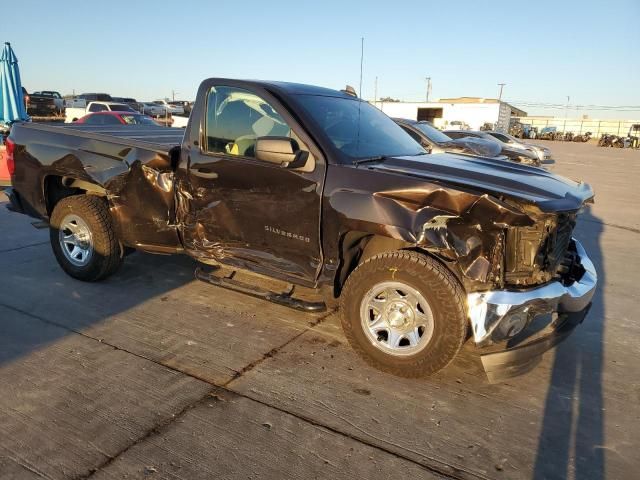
107	254
440	288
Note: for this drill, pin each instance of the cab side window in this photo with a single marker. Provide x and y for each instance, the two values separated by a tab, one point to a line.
236	118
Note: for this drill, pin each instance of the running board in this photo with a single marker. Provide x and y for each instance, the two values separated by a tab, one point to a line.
284	298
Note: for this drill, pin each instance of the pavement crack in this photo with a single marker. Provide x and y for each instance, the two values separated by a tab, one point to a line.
435	466
612	225
276	350
155	430
24	246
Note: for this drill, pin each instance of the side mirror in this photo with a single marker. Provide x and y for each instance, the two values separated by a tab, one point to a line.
281	150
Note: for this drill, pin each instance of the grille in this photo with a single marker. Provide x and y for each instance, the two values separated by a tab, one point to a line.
533	254
559	244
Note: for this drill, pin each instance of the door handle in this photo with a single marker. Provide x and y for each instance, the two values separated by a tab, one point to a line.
204	173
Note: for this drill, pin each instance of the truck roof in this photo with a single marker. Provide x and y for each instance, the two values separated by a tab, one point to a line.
289	87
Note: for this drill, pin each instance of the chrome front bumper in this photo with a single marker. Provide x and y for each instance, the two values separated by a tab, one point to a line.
503	316
495	315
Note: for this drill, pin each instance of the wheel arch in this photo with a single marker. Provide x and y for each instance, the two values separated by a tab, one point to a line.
356	247
57	187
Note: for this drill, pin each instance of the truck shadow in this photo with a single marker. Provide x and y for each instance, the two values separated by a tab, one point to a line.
572	435
40	305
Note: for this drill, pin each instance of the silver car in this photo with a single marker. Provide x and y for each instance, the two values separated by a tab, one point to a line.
543	153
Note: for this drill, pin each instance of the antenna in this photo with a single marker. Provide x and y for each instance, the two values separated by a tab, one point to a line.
361	62
375	92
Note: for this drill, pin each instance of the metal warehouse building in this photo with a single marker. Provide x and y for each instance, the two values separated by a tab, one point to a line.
473	111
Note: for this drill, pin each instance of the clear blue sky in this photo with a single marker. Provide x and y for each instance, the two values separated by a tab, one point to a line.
542	50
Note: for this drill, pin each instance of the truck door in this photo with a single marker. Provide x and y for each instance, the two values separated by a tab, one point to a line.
242	211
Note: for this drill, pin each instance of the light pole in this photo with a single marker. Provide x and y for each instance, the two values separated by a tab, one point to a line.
428	79
500	94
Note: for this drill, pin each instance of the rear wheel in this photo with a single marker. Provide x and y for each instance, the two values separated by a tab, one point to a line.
404	313
83	238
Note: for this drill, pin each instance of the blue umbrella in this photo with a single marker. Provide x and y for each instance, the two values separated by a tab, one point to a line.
12	106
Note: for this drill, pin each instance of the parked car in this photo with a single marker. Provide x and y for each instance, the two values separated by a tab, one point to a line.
178	109
73	114
57	98
117	118
82	100
96	97
320	189
435	141
39	105
542	152
514	154
186	106
152	109
132	102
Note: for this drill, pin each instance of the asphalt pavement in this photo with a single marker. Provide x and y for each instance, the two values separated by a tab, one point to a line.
153	374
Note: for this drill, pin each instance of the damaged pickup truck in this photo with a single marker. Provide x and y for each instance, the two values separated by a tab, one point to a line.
323	192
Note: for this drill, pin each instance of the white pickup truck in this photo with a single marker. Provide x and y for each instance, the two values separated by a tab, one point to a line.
172	109
74	113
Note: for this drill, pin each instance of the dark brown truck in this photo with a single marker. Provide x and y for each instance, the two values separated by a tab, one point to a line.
322	191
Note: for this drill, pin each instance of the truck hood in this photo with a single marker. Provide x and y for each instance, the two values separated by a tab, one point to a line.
549	192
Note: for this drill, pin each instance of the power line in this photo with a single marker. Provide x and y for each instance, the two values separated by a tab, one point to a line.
573	106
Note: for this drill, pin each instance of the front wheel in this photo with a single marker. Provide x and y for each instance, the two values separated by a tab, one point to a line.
83	238
404	313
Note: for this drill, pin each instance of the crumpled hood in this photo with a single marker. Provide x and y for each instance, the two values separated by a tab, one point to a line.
474	146
550	192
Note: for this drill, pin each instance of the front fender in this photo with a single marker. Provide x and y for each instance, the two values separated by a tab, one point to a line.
461	227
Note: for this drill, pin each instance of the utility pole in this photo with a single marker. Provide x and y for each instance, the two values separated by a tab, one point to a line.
500	94
566	113
428	79
361	63
173	95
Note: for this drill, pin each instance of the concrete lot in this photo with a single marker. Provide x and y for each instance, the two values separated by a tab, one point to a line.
152	374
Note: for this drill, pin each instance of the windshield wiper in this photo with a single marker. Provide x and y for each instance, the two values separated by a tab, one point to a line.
379	158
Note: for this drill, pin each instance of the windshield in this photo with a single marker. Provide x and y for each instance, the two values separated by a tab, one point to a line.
502	137
358	129
138	120
432	133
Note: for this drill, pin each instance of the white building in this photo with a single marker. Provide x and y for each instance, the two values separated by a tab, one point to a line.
473	111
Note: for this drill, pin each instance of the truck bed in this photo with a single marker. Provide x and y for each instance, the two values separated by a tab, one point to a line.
150	137
130	165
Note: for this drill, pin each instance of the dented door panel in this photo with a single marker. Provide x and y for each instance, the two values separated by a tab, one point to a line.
252	215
